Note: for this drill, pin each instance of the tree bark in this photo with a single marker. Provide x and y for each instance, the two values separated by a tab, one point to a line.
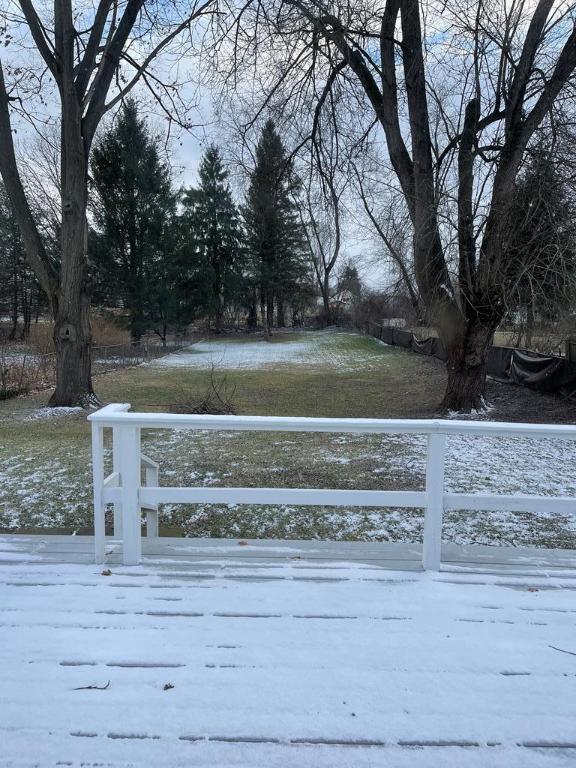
218	313
72	333
325	289
14	308
264	316
280	314
252	320
269	318
73	343
466	366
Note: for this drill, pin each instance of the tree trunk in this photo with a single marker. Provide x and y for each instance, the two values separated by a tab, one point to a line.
466	368
268	317
264	316
252	321
326	302
530	325
14	307
218	315
73	343
280	314
26	310
72	333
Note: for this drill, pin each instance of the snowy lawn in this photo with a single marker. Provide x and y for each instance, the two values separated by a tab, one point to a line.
45	470
339	350
333	666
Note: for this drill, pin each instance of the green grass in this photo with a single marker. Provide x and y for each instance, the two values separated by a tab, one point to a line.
45	464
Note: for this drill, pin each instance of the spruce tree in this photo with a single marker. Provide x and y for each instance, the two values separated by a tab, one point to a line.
274	236
213	238
133	207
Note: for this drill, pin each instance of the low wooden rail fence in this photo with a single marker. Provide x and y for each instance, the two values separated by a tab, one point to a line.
133	484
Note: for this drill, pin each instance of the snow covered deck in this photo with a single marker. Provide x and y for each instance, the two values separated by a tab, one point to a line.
216	554
283	655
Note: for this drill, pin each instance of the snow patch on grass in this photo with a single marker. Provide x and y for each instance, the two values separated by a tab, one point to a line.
324	350
40	414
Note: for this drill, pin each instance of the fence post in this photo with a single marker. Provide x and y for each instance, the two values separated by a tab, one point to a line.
116	467
432	544
98	484
130	478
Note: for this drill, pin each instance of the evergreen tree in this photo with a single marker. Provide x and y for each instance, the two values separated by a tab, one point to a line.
543	242
213	238
274	236
349	281
20	292
134	209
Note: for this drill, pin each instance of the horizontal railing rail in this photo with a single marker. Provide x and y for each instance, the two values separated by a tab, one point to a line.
134	484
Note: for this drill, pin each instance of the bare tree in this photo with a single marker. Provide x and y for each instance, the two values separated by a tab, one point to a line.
93	57
459	91
321	218
389	221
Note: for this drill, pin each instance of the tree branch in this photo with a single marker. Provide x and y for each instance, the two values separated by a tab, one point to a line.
525	64
466	244
35	251
140	69
89	59
39	35
110	60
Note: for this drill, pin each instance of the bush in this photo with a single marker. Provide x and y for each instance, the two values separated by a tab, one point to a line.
217	400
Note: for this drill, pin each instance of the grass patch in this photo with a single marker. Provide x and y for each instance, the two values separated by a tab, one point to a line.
45	477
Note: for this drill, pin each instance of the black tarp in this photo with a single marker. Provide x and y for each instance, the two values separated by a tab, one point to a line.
387	335
402	338
438	350
546	373
498	364
424	347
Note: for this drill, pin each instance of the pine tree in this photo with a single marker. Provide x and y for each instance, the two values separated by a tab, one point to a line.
133	208
213	237
273	231
19	289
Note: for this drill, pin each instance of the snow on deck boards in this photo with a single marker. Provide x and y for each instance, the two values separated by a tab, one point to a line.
283	663
191	552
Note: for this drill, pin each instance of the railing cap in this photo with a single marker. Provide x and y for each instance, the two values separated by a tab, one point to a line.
117	413
108	410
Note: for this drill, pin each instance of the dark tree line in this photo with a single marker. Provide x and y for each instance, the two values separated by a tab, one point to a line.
21	298
162	258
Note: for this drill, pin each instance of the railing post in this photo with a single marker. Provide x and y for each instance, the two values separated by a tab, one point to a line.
116	467
432	544
152	479
130	479
98	485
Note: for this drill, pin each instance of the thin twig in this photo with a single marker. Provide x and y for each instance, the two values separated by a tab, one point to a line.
571	653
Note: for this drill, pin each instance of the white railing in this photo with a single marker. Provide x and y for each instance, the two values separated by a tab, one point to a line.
133	485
